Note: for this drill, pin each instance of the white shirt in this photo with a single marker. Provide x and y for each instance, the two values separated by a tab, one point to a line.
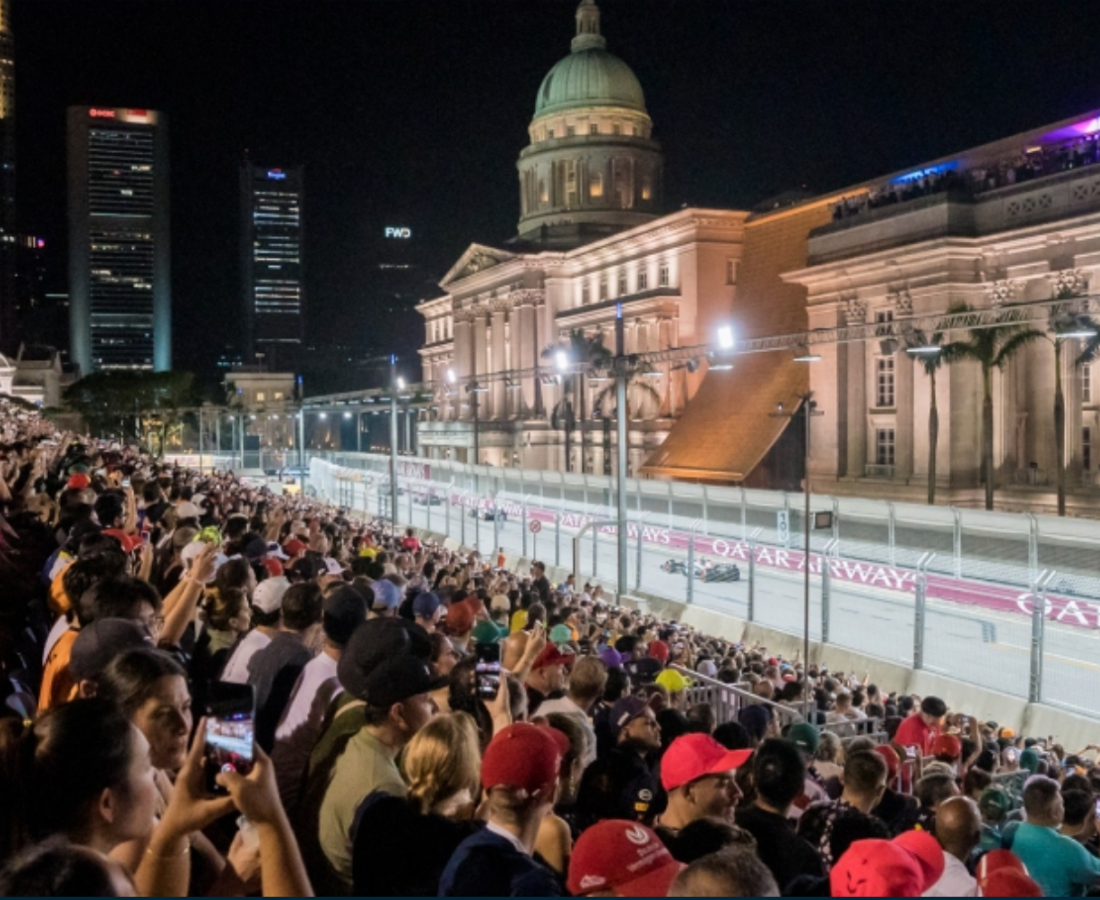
508	836
566	706
300	727
236	667
954	882
59	628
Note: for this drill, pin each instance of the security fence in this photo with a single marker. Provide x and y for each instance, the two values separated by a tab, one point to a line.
1010	602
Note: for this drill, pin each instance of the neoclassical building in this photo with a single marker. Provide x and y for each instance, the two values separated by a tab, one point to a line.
590	240
1011	221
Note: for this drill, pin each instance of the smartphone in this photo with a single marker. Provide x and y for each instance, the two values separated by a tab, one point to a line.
1098	808
487	670
230	731
125	482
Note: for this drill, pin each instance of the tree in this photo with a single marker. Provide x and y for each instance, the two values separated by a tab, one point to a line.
930	360
583	352
134	405
991	348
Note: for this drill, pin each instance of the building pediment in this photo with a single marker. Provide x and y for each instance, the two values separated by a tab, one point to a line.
477	258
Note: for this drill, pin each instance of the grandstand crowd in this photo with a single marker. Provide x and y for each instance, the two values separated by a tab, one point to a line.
210	688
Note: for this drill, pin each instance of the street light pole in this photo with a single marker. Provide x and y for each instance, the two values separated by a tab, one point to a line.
393	445
809	409
621	448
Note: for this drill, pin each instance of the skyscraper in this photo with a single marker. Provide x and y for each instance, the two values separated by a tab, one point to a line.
9	339
119	250
272	293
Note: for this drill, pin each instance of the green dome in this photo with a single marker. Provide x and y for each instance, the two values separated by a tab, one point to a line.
589	77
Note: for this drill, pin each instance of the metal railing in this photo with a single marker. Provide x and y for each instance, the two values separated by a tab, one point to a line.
1009	602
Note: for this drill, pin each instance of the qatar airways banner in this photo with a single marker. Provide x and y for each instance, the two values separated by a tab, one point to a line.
1079	612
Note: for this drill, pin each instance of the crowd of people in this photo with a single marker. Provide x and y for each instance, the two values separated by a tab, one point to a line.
1027	164
210	688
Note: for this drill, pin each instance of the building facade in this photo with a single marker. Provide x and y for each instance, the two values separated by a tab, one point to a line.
590	246
119	239
272	284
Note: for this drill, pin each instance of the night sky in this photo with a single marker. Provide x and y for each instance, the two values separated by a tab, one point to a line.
413	113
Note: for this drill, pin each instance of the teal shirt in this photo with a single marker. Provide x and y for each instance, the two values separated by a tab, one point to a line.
1061	866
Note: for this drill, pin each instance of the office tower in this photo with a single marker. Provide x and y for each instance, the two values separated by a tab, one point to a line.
9	320
271	262
119	250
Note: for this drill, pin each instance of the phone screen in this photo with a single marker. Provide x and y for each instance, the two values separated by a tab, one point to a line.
487	671
230	731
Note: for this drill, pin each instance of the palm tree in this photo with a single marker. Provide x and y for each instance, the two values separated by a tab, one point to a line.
930	360
991	348
583	352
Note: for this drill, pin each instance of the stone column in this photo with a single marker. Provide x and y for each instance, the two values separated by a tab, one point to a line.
479	364
461	364
904	374
856	400
497	389
523	346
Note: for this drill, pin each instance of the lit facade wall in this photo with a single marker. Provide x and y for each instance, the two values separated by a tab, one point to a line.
271	259
119	241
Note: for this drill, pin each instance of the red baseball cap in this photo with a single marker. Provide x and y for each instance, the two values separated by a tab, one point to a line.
273	566
693	756
624	857
130	542
1010	883
876	868
926	850
79	481
552	656
889	754
659	651
997	861
460	617
522	756
947	745
293	547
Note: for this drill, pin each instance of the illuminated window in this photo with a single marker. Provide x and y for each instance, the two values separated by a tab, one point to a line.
1086	383
544	195
884	381
260	396
643	279
647	187
884	446
595	185
278	395
662	275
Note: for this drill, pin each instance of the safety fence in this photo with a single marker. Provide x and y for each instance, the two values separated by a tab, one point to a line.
1009	602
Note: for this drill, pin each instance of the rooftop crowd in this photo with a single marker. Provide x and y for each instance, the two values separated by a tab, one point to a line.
421	721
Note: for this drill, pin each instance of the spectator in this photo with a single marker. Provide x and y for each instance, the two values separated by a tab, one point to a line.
779	777
442	763
903	867
518	773
57	868
586	685
729	873
922	729
1060	865
864	784
385	666
619	858
546	680
1079	819
697	774
267	605
958	830
274	670
621	783
300	726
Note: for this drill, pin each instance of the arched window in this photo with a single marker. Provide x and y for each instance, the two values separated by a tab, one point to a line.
595	185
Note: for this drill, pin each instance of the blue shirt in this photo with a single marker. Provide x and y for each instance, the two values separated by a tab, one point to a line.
1060	866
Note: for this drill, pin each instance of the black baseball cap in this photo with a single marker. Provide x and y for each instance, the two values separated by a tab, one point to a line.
386	661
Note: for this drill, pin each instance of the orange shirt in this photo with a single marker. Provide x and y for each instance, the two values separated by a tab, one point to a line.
57	684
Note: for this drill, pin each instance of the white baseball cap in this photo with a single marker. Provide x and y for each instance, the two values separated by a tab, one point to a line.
188	510
190	553
332	567
268	595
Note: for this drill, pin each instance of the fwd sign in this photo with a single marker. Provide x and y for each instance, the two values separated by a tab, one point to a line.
398	232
